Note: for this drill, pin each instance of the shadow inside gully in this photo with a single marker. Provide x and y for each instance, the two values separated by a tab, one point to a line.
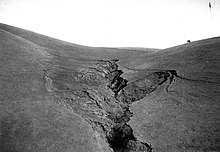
107	108
121	137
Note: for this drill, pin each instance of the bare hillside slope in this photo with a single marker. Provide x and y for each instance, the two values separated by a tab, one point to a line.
184	113
60	97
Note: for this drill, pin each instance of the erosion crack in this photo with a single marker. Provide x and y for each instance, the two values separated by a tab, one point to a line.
103	98
121	137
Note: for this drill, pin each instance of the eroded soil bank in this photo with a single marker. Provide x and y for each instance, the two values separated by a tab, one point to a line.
99	94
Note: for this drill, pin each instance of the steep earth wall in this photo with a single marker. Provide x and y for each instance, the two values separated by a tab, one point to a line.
99	94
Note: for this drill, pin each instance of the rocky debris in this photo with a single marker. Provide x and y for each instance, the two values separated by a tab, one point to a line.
102	97
112	74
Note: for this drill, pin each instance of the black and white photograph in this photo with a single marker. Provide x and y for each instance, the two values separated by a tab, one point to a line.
109	75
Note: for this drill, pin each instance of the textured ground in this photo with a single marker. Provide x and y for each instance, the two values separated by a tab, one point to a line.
58	96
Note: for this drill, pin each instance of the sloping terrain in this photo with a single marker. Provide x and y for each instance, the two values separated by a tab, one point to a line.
30	121
58	96
184	114
75	51
35	72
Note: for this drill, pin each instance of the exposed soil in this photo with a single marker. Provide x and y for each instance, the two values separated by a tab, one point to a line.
106	98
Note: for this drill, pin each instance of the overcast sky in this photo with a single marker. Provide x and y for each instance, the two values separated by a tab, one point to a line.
116	23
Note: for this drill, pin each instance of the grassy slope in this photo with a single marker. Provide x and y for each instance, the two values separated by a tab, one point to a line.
184	119
187	117
24	57
73	50
29	120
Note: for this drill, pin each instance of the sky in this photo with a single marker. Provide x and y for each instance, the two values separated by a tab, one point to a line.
116	23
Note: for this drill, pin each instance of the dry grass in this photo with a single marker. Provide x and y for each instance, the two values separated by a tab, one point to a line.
186	117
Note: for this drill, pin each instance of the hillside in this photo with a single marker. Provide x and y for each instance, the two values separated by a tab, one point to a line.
67	49
59	96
